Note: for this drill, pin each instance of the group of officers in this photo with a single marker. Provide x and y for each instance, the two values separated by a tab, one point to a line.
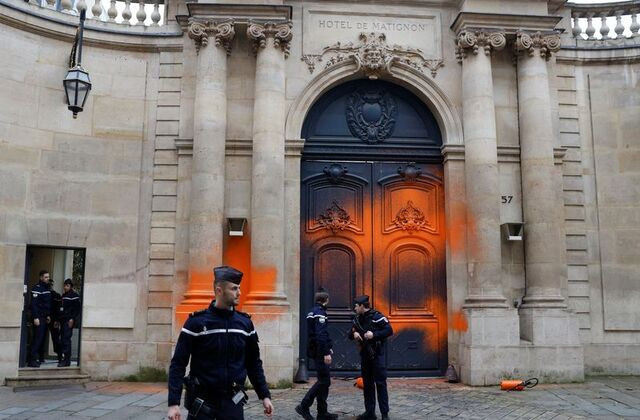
55	313
221	345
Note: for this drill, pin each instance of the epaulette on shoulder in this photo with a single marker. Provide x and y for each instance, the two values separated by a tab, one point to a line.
243	314
197	313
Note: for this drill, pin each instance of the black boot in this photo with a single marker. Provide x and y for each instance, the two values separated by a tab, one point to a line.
327	416
304	412
367	416
385	416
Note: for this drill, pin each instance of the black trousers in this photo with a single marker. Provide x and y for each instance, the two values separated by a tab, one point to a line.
374	377
223	409
55	340
37	344
320	390
65	343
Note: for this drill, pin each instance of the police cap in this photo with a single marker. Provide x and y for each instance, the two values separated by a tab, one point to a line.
69	282
361	300
226	273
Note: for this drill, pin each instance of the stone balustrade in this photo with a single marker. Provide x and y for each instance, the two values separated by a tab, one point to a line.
125	12
603	21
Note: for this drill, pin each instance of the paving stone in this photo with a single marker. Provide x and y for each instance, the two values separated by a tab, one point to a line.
93	412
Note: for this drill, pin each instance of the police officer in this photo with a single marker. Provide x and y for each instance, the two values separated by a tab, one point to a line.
41	315
319	349
222	344
54	325
370	329
69	312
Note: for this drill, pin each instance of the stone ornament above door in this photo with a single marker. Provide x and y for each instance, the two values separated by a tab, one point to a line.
373	56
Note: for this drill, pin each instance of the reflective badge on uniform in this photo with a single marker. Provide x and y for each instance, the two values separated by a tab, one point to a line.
35	295
321	319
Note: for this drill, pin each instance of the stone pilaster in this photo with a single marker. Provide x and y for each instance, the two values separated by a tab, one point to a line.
206	224
489	346
271	45
481	168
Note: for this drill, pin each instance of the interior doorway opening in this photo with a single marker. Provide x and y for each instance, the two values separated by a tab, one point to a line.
61	264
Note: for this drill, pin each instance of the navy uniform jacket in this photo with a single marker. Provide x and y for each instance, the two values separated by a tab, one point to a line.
320	344
223	347
56	304
70	308
40	301
375	322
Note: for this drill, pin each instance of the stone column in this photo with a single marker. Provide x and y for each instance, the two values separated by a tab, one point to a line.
206	224
481	168
271	44
542	240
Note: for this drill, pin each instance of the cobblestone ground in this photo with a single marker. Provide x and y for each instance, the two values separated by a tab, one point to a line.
599	397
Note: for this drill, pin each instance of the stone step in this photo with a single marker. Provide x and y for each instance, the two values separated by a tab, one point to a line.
45	372
47	376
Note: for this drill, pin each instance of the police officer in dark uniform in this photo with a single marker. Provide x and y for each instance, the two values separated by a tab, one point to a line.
54	325
370	329
222	344
69	313
319	348
41	315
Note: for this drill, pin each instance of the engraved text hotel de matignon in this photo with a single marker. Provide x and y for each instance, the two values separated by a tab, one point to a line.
371	26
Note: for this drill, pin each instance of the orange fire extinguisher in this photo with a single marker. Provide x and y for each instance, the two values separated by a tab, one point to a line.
517	384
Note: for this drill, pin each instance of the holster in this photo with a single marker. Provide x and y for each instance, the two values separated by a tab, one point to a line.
190	391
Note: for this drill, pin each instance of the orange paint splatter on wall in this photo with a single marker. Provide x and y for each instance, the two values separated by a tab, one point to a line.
459	322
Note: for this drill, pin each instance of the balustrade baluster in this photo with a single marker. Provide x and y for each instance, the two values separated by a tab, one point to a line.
590	28
604	28
155	15
141	14
635	26
576	30
619	29
81	5
66	5
112	12
96	9
126	13
51	3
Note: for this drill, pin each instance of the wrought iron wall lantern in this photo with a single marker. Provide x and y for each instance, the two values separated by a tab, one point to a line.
77	84
512	231
236	225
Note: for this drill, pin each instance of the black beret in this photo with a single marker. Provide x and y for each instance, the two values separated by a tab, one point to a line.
226	273
361	300
69	282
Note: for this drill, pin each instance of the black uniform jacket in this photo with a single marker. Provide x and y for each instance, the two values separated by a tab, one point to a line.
320	344
40	301
375	322
56	305
70	308
223	347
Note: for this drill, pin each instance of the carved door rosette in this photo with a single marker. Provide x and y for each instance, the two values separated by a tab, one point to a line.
335	172
371	116
410	218
334	218
373	56
410	172
223	32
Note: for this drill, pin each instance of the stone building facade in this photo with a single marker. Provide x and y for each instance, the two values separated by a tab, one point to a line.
203	119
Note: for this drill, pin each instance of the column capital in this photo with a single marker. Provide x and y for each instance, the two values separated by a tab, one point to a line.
281	33
475	40
222	31
529	42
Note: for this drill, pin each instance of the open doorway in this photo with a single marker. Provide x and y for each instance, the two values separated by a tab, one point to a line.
61	264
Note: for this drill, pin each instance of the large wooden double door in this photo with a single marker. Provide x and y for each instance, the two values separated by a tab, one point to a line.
377	228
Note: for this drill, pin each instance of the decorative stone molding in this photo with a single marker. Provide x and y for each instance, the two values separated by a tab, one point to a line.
222	31
373	56
546	44
474	40
280	31
371	116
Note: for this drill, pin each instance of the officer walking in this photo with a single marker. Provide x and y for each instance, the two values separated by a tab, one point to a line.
222	344
319	349
69	312
41	315
370	329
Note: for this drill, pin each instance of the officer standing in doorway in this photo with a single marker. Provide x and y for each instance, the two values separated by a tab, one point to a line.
41	315
69	312
319	348
54	325
370	329
222	345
